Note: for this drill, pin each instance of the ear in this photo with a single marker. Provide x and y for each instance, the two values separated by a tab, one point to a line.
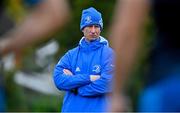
82	30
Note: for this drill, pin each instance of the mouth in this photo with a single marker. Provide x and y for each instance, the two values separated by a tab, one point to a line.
93	35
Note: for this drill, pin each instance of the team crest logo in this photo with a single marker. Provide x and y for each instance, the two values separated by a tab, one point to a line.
96	68
88	20
77	69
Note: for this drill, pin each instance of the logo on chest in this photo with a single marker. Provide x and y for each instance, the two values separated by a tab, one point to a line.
78	69
96	68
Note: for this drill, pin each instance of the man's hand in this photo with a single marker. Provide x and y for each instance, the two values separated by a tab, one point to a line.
94	77
119	103
67	72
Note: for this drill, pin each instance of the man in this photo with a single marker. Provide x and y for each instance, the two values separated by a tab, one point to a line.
85	72
162	88
46	17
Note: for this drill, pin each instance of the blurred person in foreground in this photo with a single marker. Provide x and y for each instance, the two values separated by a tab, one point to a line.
85	72
46	17
162	89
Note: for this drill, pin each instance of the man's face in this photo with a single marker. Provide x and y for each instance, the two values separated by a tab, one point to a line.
91	32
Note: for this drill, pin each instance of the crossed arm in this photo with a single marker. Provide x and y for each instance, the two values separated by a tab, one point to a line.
92	77
69	73
86	85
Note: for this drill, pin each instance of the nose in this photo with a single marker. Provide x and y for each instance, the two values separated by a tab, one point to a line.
93	29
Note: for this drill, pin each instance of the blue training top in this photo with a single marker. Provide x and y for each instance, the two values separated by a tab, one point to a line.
89	58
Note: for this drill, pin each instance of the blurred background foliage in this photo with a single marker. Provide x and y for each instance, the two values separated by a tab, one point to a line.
24	99
20	98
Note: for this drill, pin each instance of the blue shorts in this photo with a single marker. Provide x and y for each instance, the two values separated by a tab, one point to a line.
161	97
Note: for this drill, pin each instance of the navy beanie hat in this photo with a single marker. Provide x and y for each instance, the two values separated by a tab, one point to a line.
89	17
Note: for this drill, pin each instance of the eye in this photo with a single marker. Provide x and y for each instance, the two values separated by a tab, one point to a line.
96	26
90	26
